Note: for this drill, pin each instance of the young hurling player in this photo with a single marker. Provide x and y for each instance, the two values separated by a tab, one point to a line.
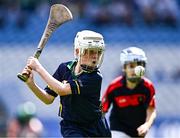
132	98
78	83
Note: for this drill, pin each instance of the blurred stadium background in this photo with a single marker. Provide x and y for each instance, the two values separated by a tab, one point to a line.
153	25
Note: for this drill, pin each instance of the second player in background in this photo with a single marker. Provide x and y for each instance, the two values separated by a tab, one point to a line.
132	98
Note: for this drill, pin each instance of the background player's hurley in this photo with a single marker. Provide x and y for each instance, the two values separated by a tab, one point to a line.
59	14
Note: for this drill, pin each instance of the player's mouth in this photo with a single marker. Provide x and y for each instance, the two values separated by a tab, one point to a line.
133	74
94	62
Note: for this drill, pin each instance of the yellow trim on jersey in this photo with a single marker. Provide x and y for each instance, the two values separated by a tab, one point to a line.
77	87
49	87
60	109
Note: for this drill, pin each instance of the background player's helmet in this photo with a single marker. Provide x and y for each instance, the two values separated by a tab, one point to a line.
25	112
133	54
87	40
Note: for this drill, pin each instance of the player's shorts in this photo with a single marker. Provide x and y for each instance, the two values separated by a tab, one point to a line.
97	128
119	134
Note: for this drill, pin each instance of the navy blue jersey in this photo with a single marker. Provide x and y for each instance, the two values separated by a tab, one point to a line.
83	105
129	105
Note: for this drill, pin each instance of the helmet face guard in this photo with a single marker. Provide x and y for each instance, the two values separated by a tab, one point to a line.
91	58
91	49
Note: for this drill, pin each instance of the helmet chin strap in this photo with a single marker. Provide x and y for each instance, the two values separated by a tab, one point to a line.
88	68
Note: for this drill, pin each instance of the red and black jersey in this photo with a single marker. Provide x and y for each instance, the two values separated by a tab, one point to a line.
128	105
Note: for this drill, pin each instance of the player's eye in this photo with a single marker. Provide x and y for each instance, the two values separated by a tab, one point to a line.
85	51
91	52
131	65
99	52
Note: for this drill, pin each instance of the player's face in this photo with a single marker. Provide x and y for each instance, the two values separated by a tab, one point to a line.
91	57
129	71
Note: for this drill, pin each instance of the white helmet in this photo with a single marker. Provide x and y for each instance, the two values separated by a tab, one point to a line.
87	39
132	54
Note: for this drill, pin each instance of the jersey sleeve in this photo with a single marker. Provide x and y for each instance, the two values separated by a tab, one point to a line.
86	85
50	92
57	75
75	87
106	99
152	96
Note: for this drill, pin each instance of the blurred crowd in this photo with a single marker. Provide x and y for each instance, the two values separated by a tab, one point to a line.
24	122
99	12
3	118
